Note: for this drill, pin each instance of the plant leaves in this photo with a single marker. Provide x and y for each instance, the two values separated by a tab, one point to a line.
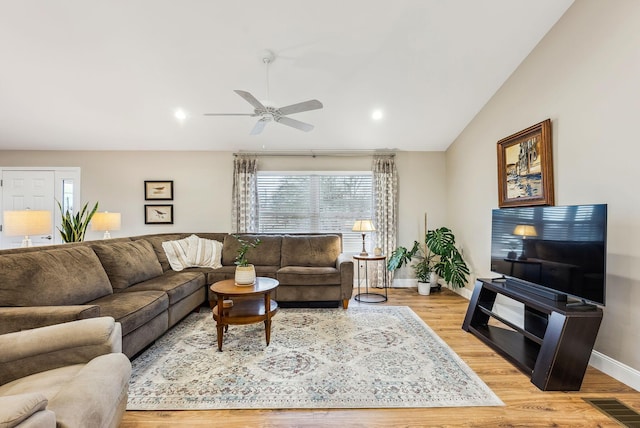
74	227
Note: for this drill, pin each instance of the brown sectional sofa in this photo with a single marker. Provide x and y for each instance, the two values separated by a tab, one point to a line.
130	279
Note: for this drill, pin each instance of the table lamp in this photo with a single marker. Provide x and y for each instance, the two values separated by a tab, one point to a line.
363	226
106	221
27	223
524	230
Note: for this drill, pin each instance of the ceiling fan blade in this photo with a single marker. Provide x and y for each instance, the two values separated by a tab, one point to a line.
306	127
250	99
300	107
230	114
259	126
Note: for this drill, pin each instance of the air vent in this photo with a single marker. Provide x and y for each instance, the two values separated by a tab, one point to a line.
617	411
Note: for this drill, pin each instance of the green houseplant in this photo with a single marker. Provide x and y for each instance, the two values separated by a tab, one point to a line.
73	227
439	255
245	272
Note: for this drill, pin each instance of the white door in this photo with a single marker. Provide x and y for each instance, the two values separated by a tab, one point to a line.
23	190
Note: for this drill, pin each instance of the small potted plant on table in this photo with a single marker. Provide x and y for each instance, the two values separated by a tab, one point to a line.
245	272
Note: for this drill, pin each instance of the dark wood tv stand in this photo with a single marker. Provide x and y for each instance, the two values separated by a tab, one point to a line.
555	343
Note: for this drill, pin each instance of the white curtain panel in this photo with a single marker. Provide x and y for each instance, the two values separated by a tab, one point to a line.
244	199
385	201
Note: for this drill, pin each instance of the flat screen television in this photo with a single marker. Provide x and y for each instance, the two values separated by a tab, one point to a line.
554	251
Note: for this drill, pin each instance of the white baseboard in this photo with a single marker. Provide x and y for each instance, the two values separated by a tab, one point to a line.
464	292
617	370
405	283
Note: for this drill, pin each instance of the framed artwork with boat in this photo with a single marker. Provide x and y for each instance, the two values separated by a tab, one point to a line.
525	167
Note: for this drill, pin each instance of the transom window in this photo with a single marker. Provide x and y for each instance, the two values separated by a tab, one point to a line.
319	202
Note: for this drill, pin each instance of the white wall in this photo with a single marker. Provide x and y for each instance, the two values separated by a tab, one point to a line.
202	190
202	184
585	76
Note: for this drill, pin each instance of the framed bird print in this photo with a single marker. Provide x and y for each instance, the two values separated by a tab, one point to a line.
158	214
158	190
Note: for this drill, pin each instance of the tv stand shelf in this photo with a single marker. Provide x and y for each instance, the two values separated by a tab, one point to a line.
555	343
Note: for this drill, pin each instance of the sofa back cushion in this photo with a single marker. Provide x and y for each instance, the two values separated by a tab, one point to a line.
265	254
157	240
310	250
64	276
128	263
193	252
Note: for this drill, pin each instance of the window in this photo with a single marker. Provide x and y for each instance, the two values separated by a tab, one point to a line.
293	202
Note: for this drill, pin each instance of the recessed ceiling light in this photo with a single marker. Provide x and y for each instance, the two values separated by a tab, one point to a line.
377	114
180	114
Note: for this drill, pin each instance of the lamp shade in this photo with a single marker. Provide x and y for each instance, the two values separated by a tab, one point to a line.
363	226
105	221
525	230
27	222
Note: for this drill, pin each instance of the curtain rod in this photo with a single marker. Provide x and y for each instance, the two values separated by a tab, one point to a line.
313	153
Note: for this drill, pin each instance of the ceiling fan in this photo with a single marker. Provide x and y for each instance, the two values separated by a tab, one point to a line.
268	112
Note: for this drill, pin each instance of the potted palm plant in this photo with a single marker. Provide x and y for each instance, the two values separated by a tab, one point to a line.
73	227
245	271
439	256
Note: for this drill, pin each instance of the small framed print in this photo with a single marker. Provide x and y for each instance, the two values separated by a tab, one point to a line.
158	214
158	190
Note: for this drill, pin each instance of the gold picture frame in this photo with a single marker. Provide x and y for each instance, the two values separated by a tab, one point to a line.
525	167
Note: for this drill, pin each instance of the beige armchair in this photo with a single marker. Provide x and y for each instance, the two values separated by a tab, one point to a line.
69	375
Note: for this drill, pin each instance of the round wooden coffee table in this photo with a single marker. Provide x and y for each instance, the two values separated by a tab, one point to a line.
249	308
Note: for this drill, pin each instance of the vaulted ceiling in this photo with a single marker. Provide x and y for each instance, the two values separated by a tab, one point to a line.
110	75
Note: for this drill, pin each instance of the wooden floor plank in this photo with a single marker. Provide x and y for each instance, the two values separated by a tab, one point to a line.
525	405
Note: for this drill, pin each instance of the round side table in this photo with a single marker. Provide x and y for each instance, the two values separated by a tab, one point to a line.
369	296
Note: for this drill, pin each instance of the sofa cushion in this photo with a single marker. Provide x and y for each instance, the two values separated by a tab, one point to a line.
204	252
15	409
128	263
47	382
133	309
157	240
176	252
193	251
65	276
310	250
297	275
265	254
177	285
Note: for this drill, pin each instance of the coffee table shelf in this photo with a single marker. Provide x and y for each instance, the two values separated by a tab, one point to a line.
246	312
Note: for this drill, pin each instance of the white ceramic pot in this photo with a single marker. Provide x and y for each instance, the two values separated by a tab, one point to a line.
245	275
424	288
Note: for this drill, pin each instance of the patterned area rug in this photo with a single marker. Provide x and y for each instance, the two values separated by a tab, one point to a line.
377	357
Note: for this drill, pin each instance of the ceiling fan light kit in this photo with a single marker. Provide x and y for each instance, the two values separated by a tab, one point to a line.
267	112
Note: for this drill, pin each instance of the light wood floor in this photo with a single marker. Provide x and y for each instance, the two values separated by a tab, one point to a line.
525	405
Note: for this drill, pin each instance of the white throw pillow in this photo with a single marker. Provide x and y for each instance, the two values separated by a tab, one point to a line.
177	252
204	252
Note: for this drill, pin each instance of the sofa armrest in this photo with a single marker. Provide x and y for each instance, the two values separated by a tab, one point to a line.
33	351
28	317
17	409
344	264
